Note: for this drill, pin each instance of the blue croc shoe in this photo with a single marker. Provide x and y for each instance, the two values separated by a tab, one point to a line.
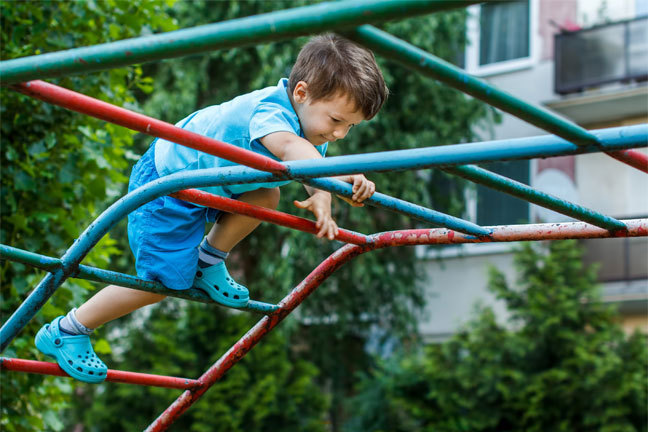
219	285
74	354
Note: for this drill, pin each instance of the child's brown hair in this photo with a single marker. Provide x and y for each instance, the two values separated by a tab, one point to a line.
331	64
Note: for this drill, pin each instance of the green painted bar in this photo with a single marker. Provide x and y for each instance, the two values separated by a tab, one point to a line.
415	58
520	190
251	30
109	277
419	60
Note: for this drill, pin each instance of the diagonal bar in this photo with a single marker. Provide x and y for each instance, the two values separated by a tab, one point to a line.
520	190
268	215
251	30
110	277
399	206
419	60
83	104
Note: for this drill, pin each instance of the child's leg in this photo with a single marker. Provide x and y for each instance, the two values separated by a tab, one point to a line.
212	275
232	228
113	302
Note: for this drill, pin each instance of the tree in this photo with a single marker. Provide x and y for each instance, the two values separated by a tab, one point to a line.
561	363
59	171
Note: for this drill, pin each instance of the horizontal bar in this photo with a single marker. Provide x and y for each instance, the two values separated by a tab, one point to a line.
461	154
276	217
419	60
509	233
114	278
520	190
285	24
47	368
83	104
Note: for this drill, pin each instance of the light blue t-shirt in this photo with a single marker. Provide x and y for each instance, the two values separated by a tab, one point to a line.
243	121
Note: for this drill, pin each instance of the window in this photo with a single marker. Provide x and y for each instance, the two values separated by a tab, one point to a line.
497	208
500	36
503	32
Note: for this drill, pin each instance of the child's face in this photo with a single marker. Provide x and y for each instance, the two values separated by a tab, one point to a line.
325	120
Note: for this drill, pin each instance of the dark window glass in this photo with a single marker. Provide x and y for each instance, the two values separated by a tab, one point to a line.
497	208
504	31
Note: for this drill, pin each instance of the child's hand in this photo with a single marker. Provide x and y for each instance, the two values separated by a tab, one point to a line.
320	205
362	189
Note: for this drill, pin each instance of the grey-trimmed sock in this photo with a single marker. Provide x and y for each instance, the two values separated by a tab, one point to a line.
71	325
209	255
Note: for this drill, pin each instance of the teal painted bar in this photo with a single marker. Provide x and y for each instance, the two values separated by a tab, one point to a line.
110	277
419	60
251	30
520	190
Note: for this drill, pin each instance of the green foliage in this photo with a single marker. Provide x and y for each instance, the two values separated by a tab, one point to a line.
59	171
561	364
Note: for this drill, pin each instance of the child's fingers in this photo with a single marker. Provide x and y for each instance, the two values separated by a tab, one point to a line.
365	191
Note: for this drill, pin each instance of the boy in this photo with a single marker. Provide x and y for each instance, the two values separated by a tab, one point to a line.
333	86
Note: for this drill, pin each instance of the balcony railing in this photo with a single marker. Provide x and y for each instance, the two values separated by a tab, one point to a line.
603	54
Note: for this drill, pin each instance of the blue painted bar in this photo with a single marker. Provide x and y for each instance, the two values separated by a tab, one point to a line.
461	154
110	277
416	211
429	65
520	190
617	138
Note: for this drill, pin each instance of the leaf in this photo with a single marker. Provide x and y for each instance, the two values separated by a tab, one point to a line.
102	347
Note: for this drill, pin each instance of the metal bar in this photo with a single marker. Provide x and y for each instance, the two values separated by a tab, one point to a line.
285	24
110	277
276	217
509	233
83	104
638	227
520	190
417	59
462	154
47	368
254	335
403	207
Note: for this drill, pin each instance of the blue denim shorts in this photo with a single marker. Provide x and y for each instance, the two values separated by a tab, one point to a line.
164	234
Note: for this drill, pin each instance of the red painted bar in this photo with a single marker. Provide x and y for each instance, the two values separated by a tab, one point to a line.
568	230
47	368
633	158
233	206
83	104
255	334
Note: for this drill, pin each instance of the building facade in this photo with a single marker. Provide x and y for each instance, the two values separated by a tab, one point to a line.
586	60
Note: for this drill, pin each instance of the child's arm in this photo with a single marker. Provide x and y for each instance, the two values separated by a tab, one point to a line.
288	146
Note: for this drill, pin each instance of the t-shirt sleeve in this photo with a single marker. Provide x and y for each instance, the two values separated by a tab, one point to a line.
269	118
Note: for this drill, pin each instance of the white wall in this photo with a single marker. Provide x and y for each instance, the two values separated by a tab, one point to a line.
453	288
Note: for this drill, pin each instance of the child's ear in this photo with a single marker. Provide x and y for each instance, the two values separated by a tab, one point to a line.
300	93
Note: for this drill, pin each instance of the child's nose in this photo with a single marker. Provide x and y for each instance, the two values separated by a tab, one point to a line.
340	133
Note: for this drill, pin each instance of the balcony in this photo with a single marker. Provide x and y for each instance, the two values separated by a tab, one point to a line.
610	53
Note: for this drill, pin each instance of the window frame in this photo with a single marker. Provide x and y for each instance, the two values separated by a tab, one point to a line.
471	60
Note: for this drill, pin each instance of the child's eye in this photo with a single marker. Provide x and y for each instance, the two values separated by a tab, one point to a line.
335	120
